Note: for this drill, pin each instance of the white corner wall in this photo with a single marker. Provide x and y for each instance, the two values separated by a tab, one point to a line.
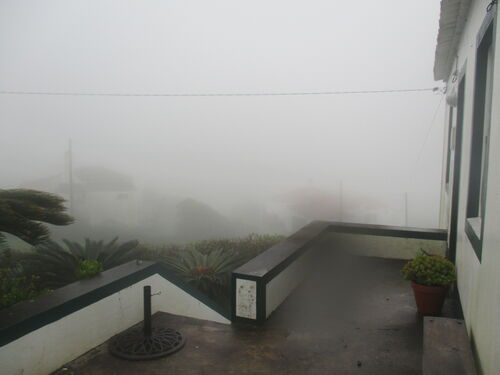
48	348
176	301
280	287
479	282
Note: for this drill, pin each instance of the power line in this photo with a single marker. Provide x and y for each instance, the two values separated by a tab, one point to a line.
297	93
414	168
431	125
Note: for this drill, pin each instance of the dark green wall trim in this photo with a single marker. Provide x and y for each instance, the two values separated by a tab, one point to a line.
29	316
475	241
390	231
261	302
192	291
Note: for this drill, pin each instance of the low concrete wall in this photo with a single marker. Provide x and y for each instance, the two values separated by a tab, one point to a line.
262	284
281	286
47	348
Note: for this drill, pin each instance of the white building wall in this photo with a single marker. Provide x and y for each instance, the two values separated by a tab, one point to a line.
479	282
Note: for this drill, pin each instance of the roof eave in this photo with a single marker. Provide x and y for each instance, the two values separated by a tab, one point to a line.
452	21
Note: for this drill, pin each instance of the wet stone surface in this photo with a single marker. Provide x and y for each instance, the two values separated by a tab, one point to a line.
357	317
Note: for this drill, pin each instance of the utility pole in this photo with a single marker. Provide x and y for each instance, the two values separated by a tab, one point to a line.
406	209
341	198
70	176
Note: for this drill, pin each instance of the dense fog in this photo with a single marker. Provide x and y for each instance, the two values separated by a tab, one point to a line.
181	168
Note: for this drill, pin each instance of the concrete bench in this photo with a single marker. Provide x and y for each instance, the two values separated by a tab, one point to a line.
446	348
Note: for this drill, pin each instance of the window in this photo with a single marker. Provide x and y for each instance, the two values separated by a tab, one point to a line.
476	202
450	147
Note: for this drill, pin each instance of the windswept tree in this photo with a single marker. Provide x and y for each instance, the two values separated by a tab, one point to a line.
23	213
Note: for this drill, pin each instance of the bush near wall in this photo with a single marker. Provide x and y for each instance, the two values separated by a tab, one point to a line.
15	288
206	265
248	247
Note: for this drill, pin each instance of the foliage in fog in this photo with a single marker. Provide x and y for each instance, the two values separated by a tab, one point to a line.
23	211
196	220
209	272
58	265
207	264
15	288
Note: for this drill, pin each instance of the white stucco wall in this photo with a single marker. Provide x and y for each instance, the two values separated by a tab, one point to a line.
48	348
479	282
279	288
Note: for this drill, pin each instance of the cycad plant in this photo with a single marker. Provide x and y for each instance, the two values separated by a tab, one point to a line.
109	254
208	272
23	212
57	265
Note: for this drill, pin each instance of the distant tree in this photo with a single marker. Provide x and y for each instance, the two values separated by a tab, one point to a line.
23	212
199	221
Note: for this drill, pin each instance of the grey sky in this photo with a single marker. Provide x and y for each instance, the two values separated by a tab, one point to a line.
223	150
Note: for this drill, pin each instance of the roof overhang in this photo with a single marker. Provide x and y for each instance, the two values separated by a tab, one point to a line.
451	24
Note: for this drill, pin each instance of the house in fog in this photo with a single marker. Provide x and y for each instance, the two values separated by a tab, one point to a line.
97	196
297	207
467	61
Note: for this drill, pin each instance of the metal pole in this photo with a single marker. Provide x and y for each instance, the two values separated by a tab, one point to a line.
406	209
341	196
70	176
147	310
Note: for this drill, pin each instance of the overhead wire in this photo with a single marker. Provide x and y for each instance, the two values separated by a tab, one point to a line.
213	94
413	170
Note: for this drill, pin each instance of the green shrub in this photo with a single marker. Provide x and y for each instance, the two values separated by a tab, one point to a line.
88	268
248	247
58	266
15	288
110	254
209	273
429	270
12	259
207	264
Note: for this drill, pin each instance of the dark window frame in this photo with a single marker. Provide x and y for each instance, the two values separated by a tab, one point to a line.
478	166
457	165
448	155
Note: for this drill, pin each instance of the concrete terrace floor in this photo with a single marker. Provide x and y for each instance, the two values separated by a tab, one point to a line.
357	317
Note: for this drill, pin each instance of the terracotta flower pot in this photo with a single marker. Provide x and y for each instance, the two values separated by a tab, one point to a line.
429	299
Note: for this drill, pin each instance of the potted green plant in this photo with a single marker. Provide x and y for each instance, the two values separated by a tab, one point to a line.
430	276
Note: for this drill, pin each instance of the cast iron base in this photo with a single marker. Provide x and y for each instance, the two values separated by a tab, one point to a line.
136	346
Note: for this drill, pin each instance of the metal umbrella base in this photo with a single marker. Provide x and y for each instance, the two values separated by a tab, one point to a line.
138	344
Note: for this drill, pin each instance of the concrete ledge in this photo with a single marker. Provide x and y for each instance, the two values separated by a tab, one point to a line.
31	315
39	336
254	293
446	348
